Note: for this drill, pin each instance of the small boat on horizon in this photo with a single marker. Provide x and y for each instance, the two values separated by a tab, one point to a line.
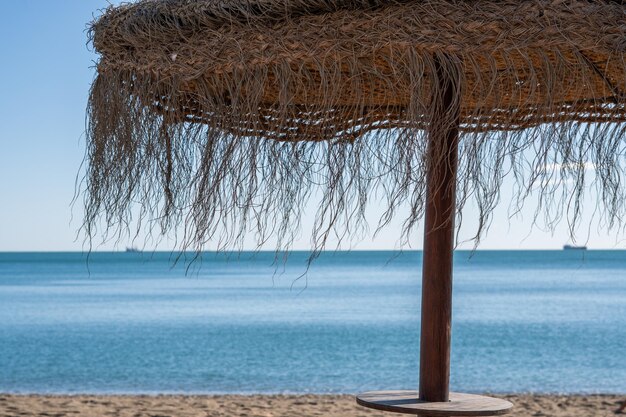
574	247
132	250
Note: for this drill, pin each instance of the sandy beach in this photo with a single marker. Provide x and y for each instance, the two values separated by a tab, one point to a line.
269	406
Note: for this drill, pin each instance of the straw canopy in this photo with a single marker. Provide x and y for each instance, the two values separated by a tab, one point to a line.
229	116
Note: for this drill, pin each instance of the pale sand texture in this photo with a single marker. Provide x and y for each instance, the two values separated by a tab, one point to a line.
270	406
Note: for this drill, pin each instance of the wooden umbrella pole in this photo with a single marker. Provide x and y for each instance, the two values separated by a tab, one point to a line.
439	241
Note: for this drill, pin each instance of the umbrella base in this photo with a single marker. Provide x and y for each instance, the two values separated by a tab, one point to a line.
408	402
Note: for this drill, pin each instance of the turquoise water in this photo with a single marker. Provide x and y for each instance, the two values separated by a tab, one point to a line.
539	321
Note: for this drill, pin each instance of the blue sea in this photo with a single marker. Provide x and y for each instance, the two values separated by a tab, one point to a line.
523	321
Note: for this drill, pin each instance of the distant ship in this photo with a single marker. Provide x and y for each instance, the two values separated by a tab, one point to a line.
572	247
132	250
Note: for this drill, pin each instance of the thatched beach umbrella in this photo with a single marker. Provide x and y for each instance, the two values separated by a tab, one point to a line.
223	118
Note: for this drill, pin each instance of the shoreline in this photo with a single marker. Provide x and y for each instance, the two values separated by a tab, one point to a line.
272	405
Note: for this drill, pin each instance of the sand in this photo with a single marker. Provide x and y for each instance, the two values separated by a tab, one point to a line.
269	406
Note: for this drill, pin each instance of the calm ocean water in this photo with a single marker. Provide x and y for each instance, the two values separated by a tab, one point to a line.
540	321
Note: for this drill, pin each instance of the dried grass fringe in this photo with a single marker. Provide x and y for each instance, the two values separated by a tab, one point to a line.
222	143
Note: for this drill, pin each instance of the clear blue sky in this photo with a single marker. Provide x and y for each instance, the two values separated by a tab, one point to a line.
45	76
